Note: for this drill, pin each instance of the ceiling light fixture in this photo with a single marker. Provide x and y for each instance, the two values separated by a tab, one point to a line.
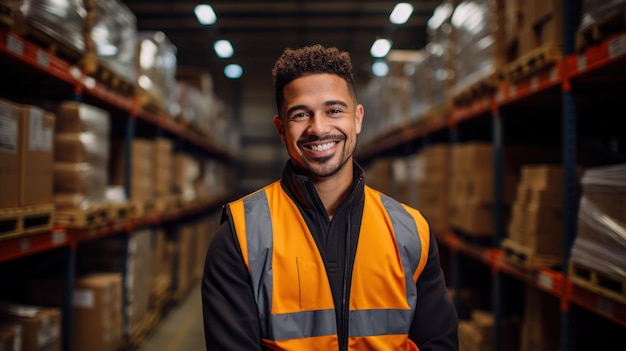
401	13
205	14
233	71
380	68
380	48
223	48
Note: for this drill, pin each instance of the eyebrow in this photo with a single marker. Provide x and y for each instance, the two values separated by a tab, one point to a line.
327	103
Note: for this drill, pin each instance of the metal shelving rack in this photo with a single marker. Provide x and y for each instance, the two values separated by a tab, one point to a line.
562	78
36	60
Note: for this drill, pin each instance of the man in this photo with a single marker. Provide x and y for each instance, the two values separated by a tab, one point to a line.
318	260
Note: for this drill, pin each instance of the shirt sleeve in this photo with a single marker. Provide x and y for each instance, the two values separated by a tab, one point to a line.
435	323
228	305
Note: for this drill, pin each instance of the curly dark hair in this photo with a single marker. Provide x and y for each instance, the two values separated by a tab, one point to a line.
293	64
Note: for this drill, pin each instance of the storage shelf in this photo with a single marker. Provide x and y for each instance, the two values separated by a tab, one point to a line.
22	246
610	52
548	280
63	235
13	45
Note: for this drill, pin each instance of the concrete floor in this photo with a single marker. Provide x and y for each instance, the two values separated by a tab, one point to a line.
181	329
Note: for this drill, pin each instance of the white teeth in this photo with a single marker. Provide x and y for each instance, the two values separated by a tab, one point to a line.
322	147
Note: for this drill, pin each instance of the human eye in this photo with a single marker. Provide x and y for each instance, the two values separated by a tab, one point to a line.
298	116
335	111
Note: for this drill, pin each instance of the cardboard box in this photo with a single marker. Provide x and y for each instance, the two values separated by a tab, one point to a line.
10	144
37	156
141	168
10	336
97	312
41	326
81	147
7	339
76	117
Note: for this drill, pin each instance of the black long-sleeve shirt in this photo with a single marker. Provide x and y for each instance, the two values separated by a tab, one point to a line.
229	308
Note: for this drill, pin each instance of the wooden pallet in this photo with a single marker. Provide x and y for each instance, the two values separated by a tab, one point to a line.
121	211
167	203
604	284
95	67
92	216
149	102
144	208
26	220
482	87
531	62
46	41
602	28
524	257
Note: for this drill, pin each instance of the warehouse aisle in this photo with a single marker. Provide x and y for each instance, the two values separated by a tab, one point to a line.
181	329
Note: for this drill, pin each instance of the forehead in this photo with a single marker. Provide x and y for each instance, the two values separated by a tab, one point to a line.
319	86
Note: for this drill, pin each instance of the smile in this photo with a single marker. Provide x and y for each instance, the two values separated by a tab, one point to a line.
321	147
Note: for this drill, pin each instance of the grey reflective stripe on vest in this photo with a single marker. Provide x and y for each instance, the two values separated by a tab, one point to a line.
394	321
260	245
296	325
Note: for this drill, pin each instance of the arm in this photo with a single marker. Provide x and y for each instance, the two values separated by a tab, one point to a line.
435	323
228	305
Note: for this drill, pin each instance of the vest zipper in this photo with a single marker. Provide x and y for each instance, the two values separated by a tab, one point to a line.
343	344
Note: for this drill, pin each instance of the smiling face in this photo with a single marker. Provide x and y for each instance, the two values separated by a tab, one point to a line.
319	122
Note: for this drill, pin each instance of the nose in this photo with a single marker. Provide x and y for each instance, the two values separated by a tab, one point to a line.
318	125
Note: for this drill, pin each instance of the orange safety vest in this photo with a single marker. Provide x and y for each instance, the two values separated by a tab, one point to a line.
291	288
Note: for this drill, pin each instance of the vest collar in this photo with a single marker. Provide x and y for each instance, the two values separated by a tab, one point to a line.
302	190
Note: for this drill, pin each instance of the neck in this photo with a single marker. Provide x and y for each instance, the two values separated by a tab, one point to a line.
332	191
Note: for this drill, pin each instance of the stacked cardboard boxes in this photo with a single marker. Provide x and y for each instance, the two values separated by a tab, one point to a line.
10	336
141	167
477	333
162	166
40	326
379	175
471	188
97	312
597	258
26	155
109	255
81	156
432	186
186	173
532	25
9	155
541	321
536	222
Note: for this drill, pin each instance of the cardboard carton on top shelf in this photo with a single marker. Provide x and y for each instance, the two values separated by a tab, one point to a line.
9	155
37	156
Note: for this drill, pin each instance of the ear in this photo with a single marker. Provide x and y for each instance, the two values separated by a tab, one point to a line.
280	127
358	117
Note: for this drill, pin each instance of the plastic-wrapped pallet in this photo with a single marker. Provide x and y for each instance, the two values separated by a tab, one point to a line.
593	11
600	245
439	47
478	43
156	70
102	31
81	155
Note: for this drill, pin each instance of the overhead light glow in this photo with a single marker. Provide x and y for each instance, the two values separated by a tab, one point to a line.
380	48
380	68
223	48
233	71
401	13
205	14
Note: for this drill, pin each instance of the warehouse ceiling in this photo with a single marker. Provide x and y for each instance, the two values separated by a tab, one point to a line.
260	30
